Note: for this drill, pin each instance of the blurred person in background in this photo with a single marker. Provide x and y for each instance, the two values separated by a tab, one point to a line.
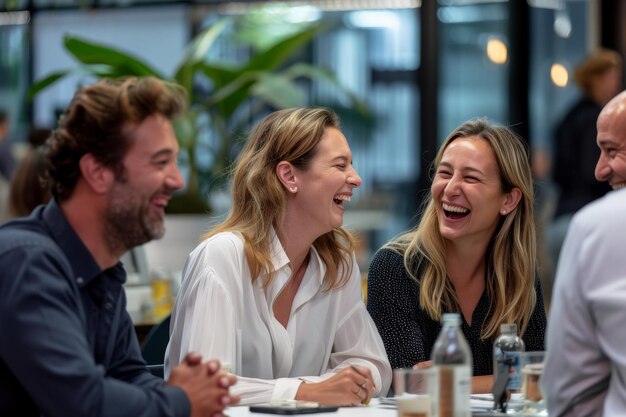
275	290
575	152
473	253
7	161
27	189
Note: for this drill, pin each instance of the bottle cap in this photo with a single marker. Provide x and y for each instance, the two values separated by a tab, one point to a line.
453	319
508	328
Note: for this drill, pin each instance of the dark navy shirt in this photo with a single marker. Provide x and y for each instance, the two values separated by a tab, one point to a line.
67	345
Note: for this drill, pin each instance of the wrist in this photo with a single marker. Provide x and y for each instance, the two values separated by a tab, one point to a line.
304	391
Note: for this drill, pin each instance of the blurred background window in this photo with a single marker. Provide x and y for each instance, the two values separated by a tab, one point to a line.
15	77
420	67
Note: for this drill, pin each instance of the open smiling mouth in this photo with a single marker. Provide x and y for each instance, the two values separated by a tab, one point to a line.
340	198
455	212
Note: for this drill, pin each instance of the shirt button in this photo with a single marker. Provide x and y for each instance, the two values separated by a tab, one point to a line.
108	306
80	280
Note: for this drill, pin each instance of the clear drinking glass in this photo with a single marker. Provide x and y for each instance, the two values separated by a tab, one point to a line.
532	371
413	392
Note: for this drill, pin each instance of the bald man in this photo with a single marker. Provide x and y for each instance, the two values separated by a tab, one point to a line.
585	369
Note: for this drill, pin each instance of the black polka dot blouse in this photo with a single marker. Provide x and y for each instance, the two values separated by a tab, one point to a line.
409	333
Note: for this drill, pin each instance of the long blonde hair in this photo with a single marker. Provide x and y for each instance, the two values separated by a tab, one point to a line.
259	199
511	256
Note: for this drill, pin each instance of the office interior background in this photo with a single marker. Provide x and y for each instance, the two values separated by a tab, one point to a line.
422	67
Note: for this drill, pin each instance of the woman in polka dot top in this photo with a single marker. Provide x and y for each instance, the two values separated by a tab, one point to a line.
473	252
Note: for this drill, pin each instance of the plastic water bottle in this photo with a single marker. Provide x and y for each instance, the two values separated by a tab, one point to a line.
452	360
507	356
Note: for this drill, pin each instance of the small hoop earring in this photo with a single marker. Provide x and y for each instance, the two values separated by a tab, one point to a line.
293	189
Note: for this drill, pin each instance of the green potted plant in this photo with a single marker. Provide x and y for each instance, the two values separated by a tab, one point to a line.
267	78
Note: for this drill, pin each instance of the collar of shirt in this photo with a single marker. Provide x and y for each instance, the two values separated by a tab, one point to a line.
313	277
83	263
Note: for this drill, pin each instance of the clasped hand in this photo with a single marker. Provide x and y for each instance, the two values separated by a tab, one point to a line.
205	384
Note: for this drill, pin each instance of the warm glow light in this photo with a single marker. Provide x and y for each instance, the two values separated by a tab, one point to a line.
496	51
559	75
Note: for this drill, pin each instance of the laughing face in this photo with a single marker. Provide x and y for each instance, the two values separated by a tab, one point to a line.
467	192
611	166
326	184
138	198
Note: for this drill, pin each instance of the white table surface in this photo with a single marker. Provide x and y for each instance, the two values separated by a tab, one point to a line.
374	409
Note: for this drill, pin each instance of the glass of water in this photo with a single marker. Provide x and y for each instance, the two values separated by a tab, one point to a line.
413	389
532	371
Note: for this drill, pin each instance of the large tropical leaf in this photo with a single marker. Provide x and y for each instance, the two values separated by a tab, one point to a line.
46	82
93	53
267	61
97	71
313	72
276	55
195	54
219	74
278	91
243	82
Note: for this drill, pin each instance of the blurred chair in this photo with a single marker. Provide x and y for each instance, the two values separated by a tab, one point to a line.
153	347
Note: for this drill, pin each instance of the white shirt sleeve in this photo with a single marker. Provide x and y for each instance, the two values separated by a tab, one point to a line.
585	339
253	390
357	341
205	322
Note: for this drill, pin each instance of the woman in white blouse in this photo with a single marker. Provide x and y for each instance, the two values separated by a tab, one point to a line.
275	291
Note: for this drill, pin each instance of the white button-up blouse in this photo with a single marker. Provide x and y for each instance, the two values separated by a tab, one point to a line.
222	314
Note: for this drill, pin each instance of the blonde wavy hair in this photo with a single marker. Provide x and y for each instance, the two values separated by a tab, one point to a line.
511	256
259	199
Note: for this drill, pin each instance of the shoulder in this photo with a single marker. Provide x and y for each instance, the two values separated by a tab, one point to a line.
28	237
387	268
598	229
386	262
31	263
605	214
387	257
225	243
218	255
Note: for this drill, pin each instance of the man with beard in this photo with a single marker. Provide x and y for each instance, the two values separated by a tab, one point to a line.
67	345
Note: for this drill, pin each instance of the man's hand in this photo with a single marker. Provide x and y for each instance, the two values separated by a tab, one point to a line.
351	386
205	384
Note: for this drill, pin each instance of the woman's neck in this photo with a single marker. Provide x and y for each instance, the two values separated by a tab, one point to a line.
465	263
295	245
465	266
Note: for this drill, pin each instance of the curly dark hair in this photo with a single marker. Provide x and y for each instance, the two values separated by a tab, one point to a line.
96	120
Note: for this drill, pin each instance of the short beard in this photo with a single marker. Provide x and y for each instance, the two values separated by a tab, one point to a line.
127	220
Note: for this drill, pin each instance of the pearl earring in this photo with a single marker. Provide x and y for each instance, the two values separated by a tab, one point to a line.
503	212
293	189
